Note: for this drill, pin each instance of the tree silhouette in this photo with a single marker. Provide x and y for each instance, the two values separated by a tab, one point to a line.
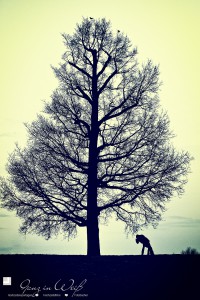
101	146
190	251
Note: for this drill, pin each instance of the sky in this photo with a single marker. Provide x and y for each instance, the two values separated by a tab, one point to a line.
167	32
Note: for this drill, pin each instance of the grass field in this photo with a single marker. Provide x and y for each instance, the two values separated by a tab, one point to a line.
105	277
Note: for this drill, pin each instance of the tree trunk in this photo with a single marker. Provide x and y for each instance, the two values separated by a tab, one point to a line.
92	208
93	245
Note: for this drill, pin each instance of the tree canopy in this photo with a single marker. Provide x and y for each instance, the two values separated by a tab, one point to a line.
101	147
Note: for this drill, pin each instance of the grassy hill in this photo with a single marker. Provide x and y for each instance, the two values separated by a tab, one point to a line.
106	277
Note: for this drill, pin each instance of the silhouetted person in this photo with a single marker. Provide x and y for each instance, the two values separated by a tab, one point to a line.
140	238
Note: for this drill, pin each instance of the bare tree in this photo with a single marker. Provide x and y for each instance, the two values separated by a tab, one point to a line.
101	147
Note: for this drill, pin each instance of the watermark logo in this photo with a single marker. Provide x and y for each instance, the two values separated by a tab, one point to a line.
7	281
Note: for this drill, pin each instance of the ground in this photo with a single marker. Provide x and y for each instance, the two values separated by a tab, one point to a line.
105	277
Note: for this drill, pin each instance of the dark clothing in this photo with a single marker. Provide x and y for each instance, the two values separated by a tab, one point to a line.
140	238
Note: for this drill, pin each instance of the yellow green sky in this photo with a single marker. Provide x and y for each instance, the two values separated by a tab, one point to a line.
166	32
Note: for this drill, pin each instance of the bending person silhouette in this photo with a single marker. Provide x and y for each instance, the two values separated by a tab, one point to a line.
140	238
